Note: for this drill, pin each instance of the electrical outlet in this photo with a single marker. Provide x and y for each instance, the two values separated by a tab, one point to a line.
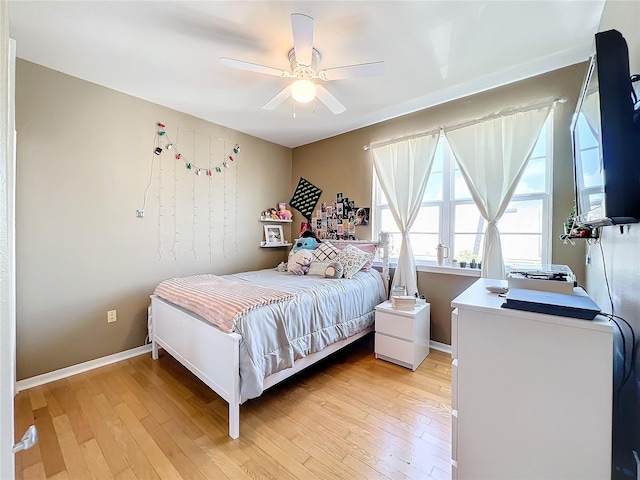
140	213
111	316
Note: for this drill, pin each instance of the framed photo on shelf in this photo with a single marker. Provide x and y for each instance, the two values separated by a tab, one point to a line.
273	235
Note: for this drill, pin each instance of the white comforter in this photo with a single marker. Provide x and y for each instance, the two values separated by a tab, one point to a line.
321	312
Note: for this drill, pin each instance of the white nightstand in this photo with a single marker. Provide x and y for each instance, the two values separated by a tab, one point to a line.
402	337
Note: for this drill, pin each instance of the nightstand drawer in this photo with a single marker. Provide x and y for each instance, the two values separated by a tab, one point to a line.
394	348
395	325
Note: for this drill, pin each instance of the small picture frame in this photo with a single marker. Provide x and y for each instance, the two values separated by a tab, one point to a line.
273	235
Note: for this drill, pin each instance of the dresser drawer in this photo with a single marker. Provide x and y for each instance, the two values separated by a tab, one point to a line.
394	348
454	384
454	333
395	325
454	436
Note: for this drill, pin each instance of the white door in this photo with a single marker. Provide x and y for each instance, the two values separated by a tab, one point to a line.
7	246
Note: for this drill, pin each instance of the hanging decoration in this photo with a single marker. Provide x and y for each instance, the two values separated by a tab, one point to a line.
164	144
228	158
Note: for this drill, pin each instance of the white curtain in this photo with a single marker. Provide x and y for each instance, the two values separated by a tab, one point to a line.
403	168
591	111
492	155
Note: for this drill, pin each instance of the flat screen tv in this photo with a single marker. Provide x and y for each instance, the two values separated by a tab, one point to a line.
606	141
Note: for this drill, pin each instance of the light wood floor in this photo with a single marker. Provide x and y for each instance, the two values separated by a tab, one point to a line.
351	416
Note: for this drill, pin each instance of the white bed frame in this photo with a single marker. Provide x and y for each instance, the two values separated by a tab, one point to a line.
214	356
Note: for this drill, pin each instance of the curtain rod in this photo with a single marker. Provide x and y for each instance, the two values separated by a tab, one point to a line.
455	126
401	139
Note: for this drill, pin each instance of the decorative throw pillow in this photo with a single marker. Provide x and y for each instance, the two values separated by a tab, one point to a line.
365	247
325	252
305	197
353	259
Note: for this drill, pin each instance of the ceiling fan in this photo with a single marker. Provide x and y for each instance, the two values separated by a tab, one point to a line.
304	61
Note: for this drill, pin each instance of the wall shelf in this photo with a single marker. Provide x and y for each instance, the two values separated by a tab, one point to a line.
279	220
275	245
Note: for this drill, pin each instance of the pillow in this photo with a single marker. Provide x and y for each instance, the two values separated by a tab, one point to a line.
318	268
326	269
353	259
365	247
334	270
325	252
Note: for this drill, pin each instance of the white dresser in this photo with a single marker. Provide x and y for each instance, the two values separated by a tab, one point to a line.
402	337
531	393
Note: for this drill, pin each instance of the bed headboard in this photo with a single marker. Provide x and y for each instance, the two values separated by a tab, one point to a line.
383	248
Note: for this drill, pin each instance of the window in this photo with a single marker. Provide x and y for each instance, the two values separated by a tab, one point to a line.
448	214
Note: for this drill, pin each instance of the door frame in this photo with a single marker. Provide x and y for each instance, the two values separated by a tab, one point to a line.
7	246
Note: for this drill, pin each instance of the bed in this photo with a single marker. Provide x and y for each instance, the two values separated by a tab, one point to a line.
306	319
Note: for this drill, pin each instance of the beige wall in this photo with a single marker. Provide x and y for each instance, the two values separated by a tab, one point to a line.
339	164
621	250
84	155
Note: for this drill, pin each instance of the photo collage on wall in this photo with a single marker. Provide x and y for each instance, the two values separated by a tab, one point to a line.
339	221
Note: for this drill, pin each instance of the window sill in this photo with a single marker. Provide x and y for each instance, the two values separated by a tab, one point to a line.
444	270
449	270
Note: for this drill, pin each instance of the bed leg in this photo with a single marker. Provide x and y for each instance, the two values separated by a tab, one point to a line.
234	420
154	350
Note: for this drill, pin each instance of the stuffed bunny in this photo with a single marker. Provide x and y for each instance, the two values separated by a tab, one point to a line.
299	262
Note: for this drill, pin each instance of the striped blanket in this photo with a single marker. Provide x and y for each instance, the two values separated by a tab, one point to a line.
219	300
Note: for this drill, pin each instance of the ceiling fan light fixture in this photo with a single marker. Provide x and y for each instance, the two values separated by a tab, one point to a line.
303	91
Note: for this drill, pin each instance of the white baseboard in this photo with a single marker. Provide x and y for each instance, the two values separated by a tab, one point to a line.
80	368
117	357
442	347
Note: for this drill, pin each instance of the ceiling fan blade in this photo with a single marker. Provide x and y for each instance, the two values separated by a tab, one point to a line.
374	69
278	99
252	67
302	27
329	100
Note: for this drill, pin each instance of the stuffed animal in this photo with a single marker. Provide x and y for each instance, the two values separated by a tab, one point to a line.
283	213
299	262
334	270
305	244
273	215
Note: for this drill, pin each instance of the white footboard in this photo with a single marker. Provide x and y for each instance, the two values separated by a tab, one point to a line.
211	354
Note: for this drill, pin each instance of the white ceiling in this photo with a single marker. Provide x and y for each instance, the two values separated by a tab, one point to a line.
435	51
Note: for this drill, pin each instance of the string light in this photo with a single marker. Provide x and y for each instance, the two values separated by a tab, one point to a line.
209	224
161	136
160	210
189	164
236	150
176	234
224	207
194	205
